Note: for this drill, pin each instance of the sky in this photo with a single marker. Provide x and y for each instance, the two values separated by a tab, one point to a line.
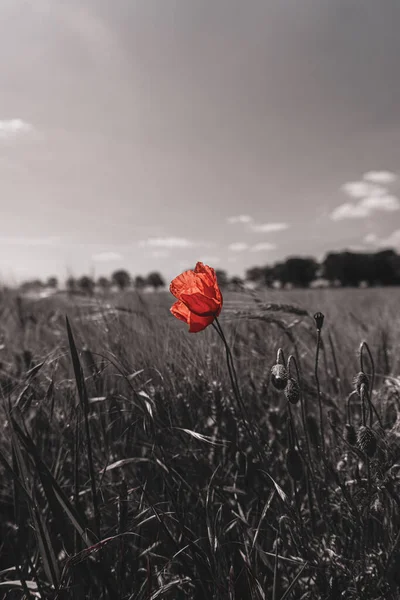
149	134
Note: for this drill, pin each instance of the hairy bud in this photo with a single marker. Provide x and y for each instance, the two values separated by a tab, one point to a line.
292	391
350	434
279	377
359	380
366	441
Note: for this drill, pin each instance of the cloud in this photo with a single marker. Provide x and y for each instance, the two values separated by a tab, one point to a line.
365	207
380	176
13	127
167	242
371	238
357	189
387	203
240	219
269	227
238	247
107	256
262	246
391	241
349	211
160	253
27	241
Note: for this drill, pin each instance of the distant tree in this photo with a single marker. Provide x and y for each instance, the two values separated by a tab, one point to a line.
236	282
104	283
222	277
140	282
121	278
155	280
386	268
71	285
297	271
52	283
255	275
32	284
269	276
349	269
86	285
37	284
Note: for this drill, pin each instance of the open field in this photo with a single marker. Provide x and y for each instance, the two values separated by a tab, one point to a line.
145	479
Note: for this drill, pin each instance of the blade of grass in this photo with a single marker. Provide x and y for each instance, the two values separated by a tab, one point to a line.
83	396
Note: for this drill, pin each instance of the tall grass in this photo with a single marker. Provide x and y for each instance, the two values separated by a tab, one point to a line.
128	471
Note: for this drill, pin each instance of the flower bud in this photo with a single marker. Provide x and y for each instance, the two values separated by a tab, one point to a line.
279	377
292	391
350	434
366	441
359	380
319	320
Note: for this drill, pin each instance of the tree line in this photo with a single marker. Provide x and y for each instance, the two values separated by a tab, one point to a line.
86	284
345	269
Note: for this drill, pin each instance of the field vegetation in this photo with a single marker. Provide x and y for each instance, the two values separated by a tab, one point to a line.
134	467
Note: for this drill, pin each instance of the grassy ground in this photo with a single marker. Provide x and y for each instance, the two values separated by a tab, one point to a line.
132	469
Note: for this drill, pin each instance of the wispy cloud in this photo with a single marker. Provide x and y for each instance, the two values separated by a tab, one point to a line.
384	177
370	194
371	238
365	207
107	256
360	189
349	211
387	203
262	246
240	219
28	241
269	227
10	128
168	242
238	247
160	253
391	241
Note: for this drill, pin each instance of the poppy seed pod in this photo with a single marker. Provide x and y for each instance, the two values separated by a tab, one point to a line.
294	464
279	377
366	441
292	391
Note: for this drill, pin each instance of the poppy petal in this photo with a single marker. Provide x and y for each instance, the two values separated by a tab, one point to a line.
198	323
182	283
201	305
202	279
180	311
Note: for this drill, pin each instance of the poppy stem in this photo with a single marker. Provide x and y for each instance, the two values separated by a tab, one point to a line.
235	384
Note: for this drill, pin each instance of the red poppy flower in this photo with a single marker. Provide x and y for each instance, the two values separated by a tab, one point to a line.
199	297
